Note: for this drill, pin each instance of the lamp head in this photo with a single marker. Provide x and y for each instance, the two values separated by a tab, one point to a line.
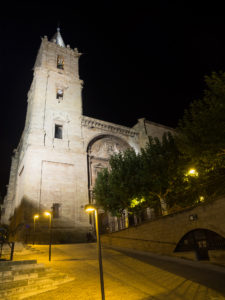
36	216
47	214
90	207
192	172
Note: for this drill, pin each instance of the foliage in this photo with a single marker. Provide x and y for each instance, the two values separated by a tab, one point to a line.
201	136
136	181
115	190
160	167
201	130
159	171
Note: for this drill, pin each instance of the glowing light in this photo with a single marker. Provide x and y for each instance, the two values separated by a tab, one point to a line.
201	198
47	214
89	208
36	216
136	202
192	172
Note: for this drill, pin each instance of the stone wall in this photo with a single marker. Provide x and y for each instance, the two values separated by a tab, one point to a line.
146	128
163	234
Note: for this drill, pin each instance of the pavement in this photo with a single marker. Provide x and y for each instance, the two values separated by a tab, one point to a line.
127	275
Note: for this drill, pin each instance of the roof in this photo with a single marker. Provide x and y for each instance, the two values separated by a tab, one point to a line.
57	38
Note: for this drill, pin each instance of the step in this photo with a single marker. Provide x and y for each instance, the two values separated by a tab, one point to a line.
12	273
34	287
21	269
17	262
20	290
21	279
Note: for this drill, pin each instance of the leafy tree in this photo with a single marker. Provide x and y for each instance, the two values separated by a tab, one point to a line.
201	131
158	175
115	190
201	136
149	179
163	169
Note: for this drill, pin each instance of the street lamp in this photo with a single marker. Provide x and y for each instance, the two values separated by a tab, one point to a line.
35	218
48	214
90	208
192	172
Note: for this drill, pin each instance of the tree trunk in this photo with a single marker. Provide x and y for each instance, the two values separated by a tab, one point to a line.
163	207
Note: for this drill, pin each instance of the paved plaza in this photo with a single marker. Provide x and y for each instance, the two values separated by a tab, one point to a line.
127	276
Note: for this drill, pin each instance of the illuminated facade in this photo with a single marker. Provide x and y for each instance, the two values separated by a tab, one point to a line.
61	151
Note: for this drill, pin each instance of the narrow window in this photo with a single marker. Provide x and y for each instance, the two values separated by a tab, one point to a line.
55	210
21	171
60	62
59	94
58	131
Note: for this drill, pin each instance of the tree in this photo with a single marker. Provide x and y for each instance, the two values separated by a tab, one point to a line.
116	189
201	130
148	179
201	136
162	172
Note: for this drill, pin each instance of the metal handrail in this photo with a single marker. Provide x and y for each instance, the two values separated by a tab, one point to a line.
11	245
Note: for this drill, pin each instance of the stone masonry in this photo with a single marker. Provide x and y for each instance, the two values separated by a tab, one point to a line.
162	235
61	151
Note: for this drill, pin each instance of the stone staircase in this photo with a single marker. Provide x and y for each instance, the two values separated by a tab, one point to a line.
25	278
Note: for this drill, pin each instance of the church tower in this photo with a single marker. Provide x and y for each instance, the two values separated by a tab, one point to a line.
61	151
50	159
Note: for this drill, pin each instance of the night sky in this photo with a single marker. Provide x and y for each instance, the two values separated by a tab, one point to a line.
136	62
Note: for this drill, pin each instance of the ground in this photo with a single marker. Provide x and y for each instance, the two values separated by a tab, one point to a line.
127	276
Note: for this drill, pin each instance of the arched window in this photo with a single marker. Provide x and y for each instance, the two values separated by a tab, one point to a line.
60	62
59	94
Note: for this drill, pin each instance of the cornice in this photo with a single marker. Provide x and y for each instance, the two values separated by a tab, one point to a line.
107	126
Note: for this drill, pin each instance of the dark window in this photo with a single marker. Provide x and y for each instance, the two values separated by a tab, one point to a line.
60	62
21	171
55	210
59	94
58	131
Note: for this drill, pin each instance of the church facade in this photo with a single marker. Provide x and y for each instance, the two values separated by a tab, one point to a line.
61	151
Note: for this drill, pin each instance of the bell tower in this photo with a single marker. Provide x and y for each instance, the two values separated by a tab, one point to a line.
50	159
54	99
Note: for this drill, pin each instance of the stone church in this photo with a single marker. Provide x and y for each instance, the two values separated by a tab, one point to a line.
61	151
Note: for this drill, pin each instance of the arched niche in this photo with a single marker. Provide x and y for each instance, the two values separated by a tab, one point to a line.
99	151
201	240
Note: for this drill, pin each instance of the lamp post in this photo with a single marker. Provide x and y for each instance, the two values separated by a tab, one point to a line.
90	208
48	214
35	218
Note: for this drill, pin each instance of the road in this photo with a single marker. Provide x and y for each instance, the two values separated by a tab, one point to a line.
127	276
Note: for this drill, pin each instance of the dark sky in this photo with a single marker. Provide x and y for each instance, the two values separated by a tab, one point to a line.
137	61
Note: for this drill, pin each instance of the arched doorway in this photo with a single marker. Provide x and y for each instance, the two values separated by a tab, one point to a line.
200	241
99	151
